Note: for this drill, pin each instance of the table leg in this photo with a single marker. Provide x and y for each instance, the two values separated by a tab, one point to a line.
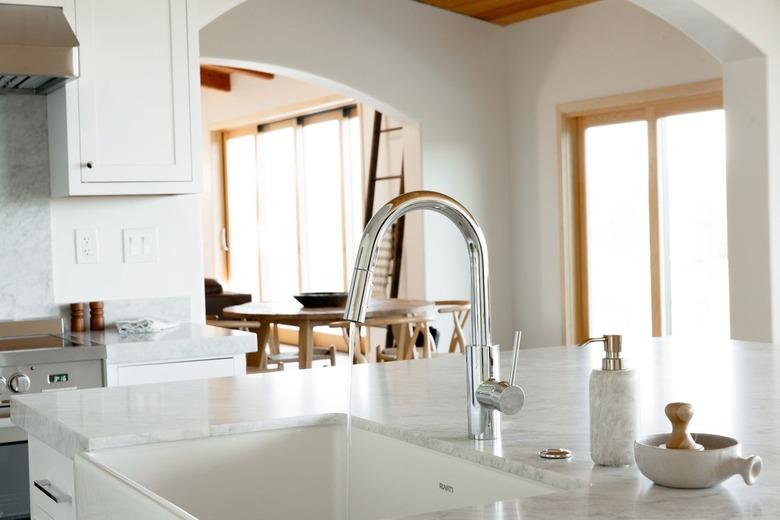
426	331
259	358
305	344
273	339
458	338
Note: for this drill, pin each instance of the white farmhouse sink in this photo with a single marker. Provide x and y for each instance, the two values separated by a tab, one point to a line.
285	474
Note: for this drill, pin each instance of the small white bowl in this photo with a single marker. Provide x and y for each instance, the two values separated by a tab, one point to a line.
720	459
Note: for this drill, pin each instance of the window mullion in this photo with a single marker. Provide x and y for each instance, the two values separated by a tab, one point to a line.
300	202
259	207
664	222
656	292
346	207
580	198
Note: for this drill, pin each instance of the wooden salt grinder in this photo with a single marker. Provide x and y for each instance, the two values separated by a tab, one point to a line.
96	321
77	323
680	414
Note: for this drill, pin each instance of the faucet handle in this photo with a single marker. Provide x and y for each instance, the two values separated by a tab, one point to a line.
515	356
500	395
504	396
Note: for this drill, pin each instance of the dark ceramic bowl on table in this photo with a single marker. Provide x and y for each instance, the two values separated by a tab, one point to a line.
322	299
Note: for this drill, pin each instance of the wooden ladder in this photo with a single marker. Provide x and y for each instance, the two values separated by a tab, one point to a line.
391	249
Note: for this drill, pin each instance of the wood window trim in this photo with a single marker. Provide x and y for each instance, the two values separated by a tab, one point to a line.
572	120
292	111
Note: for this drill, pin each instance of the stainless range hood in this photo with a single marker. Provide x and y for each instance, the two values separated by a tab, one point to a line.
38	49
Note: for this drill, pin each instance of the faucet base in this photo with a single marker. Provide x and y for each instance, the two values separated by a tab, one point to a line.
481	366
487	428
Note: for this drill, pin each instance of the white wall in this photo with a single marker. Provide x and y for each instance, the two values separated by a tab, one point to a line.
445	71
605	48
177	272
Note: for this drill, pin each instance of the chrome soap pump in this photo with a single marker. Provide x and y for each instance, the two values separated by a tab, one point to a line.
614	406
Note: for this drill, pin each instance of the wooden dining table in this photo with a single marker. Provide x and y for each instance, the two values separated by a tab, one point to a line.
290	312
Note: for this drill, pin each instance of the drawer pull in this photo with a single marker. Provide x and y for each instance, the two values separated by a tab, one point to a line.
52	492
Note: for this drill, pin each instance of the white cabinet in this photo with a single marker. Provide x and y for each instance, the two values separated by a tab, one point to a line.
130	123
54	495
145	373
36	513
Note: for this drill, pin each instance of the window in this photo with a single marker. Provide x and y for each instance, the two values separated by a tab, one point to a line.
293	193
618	252
648	228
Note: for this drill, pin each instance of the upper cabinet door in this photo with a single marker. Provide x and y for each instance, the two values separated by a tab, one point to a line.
134	92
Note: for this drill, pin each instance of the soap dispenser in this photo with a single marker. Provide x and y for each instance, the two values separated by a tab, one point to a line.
614	407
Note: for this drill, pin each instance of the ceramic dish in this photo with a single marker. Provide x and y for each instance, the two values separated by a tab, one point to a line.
720	459
322	299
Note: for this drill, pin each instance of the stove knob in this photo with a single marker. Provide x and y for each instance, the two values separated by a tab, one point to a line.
2	384
20	383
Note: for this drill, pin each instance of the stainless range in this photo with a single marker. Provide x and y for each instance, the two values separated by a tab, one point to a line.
36	356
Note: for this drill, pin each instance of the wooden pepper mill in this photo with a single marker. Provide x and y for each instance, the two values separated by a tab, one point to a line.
77	323
680	414
96	321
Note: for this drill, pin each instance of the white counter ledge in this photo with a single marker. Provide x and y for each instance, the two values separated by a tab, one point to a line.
733	385
188	340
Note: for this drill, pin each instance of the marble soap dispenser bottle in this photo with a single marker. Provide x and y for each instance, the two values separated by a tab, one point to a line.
614	407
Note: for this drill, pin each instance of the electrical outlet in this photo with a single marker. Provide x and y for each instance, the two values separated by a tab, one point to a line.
86	246
140	245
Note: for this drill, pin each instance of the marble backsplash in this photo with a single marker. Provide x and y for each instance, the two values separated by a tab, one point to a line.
26	289
25	229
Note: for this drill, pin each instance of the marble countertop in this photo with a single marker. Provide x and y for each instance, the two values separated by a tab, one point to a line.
733	385
187	341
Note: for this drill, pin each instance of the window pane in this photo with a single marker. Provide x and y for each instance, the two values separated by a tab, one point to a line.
693	166
323	254
278	213
241	180
618	236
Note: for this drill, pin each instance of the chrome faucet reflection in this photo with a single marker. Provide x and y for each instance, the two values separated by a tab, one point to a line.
487	396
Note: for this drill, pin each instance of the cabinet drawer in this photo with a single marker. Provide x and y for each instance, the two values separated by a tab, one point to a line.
36	513
47	464
177	371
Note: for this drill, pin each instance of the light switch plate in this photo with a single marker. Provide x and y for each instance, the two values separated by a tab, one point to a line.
86	246
140	245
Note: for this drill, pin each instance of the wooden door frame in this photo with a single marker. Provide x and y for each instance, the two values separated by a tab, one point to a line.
572	119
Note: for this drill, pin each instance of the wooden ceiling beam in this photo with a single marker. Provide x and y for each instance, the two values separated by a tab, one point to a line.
214	79
538	10
506	12
236	70
218	76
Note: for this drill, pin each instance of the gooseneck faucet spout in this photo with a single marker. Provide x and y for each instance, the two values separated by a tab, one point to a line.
486	394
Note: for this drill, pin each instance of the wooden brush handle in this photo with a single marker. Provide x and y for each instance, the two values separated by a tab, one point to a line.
680	414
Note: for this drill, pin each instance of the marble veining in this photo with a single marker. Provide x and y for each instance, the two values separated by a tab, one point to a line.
187	341
732	384
25	230
176	309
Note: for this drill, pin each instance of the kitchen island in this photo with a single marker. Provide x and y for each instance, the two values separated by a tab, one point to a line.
733	385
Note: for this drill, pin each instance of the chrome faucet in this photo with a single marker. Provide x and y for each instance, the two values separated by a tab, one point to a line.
487	396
